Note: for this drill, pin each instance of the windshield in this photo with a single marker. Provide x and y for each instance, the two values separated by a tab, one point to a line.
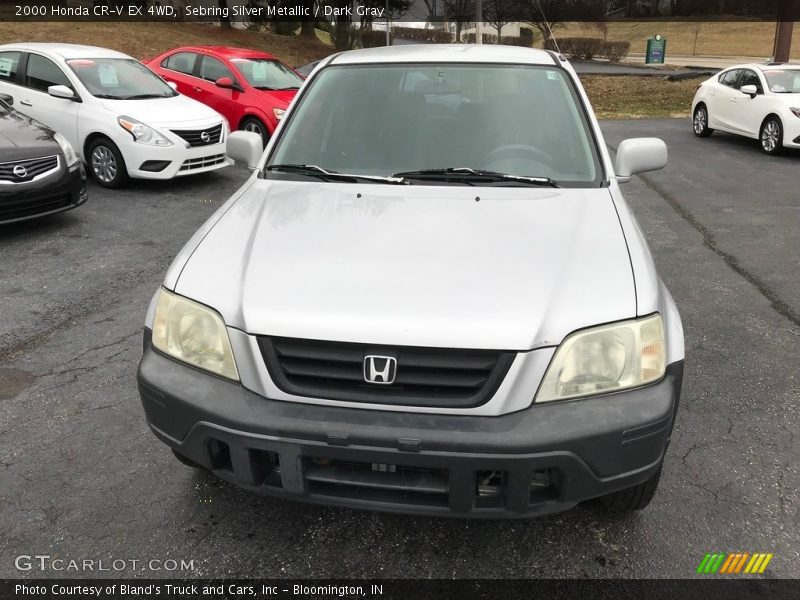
783	81
400	119
263	73
119	79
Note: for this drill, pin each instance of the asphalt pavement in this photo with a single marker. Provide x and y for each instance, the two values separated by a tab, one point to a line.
82	477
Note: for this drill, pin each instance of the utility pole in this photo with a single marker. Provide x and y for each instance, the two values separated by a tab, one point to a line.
787	12
388	26
478	21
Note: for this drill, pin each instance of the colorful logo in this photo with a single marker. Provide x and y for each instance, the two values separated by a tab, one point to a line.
736	563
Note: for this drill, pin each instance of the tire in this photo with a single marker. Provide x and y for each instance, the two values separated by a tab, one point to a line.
633	498
700	121
106	163
770	136
187	461
256	126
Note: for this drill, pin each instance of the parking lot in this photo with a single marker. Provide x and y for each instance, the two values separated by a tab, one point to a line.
81	476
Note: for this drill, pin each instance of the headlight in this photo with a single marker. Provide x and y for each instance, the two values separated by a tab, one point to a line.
144	134
604	359
278	112
69	152
194	334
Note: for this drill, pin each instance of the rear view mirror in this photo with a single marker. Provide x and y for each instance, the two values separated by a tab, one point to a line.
61	91
7	99
224	82
245	147
638	155
750	90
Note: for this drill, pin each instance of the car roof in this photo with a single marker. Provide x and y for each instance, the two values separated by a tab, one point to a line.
450	53
762	66
66	51
226	51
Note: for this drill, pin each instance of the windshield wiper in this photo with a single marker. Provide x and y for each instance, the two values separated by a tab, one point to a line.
291	87
265	87
142	96
467	173
316	171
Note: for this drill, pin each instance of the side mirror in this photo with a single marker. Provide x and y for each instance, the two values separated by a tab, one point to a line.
750	90
61	91
225	83
173	85
7	99
638	155
245	147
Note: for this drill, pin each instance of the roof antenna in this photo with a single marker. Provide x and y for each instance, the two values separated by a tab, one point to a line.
547	24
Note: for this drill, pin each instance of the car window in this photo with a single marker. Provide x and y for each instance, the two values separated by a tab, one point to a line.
119	79
380	120
9	64
182	62
267	74
783	81
730	78
43	72
212	69
750	77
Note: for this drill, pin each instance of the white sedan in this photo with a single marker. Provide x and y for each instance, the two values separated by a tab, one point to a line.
122	119
756	101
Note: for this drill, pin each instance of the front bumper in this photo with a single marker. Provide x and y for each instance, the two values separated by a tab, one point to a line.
62	191
543	459
172	161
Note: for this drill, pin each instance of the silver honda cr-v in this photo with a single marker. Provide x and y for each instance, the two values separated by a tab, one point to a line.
429	297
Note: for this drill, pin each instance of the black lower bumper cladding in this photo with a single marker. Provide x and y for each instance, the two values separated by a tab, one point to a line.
542	459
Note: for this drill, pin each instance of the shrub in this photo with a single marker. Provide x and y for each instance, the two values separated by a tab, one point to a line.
423	35
615	51
370	38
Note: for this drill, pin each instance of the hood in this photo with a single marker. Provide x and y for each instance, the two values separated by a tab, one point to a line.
281	98
22	137
415	265
165	112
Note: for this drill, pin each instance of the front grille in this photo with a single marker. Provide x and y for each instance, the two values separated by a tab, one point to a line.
432	377
28	207
202	162
194	137
27	170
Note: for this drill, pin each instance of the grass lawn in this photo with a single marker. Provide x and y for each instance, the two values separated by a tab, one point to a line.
733	38
145	40
623	97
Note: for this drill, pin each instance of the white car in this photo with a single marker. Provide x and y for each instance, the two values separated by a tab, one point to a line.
122	119
756	101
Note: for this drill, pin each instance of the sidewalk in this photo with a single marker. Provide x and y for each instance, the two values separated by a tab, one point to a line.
706	62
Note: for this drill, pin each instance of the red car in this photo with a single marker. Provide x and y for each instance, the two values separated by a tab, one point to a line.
249	88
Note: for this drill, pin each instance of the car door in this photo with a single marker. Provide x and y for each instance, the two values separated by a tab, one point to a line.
748	112
720	110
223	100
11	75
59	114
179	68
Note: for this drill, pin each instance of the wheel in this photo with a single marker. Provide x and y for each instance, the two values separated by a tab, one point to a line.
771	135
187	461
256	126
700	121
633	498
106	163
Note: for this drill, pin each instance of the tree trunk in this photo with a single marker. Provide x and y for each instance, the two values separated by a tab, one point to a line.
224	21
307	26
